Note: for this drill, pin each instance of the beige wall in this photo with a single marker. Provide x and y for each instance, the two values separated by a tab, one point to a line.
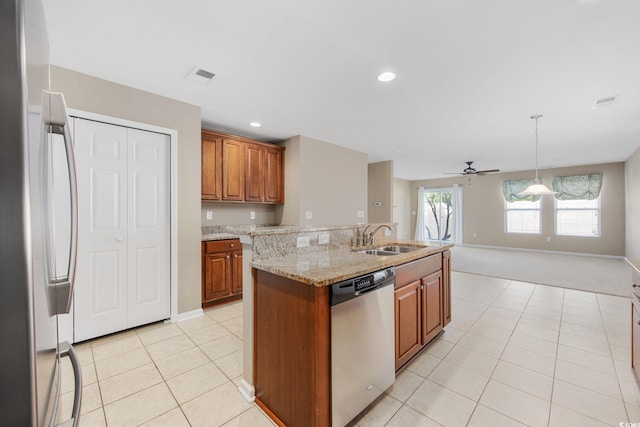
238	214
87	93
380	189
632	207
402	208
328	180
483	211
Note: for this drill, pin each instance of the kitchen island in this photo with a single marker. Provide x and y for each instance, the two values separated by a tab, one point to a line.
292	322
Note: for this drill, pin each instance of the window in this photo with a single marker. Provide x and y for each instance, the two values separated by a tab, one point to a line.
522	216
577	205
521	213
578	217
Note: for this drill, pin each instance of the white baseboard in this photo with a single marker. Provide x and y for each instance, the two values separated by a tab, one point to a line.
247	390
187	315
507	248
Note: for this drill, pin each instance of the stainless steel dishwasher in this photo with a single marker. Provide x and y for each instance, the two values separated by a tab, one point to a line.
362	343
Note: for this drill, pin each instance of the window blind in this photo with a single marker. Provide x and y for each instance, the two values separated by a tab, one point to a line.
577	187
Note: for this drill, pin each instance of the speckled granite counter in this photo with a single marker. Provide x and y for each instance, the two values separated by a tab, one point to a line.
324	268
218	236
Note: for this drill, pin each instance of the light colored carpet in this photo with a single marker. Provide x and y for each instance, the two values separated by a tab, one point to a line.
586	273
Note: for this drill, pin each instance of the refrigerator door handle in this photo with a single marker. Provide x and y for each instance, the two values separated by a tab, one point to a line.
66	349
60	287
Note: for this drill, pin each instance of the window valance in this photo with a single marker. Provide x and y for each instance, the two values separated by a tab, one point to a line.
511	189
577	187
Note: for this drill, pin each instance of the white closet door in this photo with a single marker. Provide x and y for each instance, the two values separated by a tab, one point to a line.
148	231
100	302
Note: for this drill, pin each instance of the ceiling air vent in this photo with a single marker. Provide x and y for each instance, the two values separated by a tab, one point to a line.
604	102
199	75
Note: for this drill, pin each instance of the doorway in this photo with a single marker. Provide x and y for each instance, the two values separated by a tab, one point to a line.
439	218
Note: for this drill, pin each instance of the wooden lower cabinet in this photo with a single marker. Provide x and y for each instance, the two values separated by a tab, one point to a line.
408	310
221	270
422	304
431	289
446	287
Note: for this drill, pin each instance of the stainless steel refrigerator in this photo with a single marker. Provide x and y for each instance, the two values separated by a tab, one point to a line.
38	224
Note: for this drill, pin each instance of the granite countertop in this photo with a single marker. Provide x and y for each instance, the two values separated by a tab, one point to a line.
327	267
218	236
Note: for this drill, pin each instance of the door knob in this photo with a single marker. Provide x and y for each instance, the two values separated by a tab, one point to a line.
119	239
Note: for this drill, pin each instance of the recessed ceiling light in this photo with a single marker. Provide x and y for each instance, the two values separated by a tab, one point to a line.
387	76
255	124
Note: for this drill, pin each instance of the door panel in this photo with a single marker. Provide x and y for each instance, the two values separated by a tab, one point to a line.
217	276
100	295
432	306
232	170
148	231
407	312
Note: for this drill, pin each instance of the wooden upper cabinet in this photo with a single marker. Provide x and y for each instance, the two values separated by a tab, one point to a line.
274	175
254	173
237	169
211	167
232	170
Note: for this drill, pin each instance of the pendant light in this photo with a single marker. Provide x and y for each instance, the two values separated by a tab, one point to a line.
537	188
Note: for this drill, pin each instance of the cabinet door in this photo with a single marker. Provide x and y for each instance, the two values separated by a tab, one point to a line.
407	313
232	170
446	287
254	173
432	306
216	276
236	268
211	167
274	176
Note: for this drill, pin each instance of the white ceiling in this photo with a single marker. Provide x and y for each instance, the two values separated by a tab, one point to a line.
469	72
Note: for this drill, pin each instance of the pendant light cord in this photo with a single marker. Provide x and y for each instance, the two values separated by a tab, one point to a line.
536	117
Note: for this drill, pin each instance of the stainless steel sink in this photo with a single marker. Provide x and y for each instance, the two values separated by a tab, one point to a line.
399	249
378	252
390	250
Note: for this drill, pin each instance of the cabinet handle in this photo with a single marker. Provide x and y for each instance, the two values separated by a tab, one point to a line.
231	245
120	239
421	287
228	257
635	286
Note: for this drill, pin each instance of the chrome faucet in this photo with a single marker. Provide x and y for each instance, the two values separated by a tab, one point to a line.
367	239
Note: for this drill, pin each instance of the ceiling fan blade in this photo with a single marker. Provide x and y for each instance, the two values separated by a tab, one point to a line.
453	173
484	172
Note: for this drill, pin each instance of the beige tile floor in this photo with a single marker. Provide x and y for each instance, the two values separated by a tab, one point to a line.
515	354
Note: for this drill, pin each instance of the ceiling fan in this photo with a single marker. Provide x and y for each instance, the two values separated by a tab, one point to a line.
469	170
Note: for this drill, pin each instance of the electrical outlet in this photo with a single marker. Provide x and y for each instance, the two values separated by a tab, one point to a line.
252	215
308	215
302	241
475	235
209	215
360	214
548	239
323	239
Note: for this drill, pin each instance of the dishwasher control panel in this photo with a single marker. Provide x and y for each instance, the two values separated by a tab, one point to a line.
351	288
